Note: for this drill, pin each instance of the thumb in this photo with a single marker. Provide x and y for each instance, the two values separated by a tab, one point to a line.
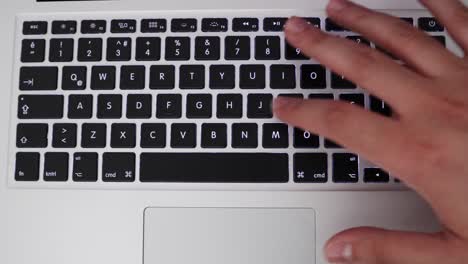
378	246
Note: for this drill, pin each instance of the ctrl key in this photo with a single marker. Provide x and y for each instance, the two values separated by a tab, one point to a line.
85	167
27	166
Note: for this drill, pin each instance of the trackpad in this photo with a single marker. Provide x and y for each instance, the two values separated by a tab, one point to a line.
229	236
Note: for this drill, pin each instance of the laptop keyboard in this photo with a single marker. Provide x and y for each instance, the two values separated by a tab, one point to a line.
178	101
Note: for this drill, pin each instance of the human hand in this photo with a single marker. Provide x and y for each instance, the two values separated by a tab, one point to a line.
425	142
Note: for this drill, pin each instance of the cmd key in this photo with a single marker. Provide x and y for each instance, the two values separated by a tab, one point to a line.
40	106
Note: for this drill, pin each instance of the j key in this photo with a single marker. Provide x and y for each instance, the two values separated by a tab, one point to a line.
245	24
310	167
89	49
123	136
259	106
332	26
305	139
61	50
85	166
74	77
321	96
359	40
275	136
430	24
184	25
222	76
93	26
283	76
237	48
56	166
192	77
245	135
441	40
331	144
229	106
93	135
355	99
313	77
148	49
207	48
252	76
64	136
33	50
40	106
64	27
339	82
199	106
109	106
31	135
345	167
80	106
214	25
183	136
267	48
274	24
35	28
119	49
177	48
123	26
379	106
38	78
162	77
293	53
27	166
118	167
132	77
139	106
169	106
103	78
153	25
153	136
376	175
214	136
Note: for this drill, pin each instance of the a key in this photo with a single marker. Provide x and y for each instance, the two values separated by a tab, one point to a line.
74	77
345	168
177	48
214	136
27	166
103	78
192	77
89	49
153	25
85	167
310	168
237	48
139	106
274	24
56	166
267	48
148	49
355	99
259	106
109	106
321	96
214	25
199	106
313	77
339	82
292	53
245	135
245	24
229	106
330	25
153	136
93	135
283	76
123	26
252	76
64	136
132	77
430	24
376	175
207	48
183	25
35	28
40	106
64	27
222	76
118	167
305	139
380	107
123	136
38	78
33	50
80	106
169	106
162	77
183	136
275	136
93	26
61	50
31	135
119	49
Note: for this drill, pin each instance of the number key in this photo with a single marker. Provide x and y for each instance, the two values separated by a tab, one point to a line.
177	48
90	49
61	50
207	48
294	53
267	48
237	48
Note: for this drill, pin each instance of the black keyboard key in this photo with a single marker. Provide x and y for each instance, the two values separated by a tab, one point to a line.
376	175
109	106
339	82
252	76
132	77
118	167
245	24
322	96
214	167
123	136
162	77
214	136
148	49
183	25
64	27
31	135
153	25
56	166
359	40
214	25
275	136
38	78
169	106
245	135
183	136
153	136
61	50
192	77
259	106
64	135
380	107
355	99
74	77
330	25
313	77
40	106
199	106
283	76
305	139
229	106
35	28
103	78
430	24
85	167
93	26
267	48
222	76
177	48
80	106
89	49
93	136
207	48
274	24
27	166
139	106
119	49
123	26
345	168
292	53
310	168
237	48
33	50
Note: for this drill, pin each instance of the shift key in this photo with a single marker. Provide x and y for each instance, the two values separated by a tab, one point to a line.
40	106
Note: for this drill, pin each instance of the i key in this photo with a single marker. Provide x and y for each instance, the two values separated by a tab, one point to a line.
267	48
379	106
123	136
90	49
56	166
85	167
283	76
119	49
237	48
61	50
207	48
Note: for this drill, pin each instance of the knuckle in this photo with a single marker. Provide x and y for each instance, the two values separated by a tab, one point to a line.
366	62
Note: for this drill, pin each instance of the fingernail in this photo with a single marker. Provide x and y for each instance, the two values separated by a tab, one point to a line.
296	25
337	5
339	252
282	102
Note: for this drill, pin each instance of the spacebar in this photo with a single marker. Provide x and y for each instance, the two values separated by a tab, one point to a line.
214	167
